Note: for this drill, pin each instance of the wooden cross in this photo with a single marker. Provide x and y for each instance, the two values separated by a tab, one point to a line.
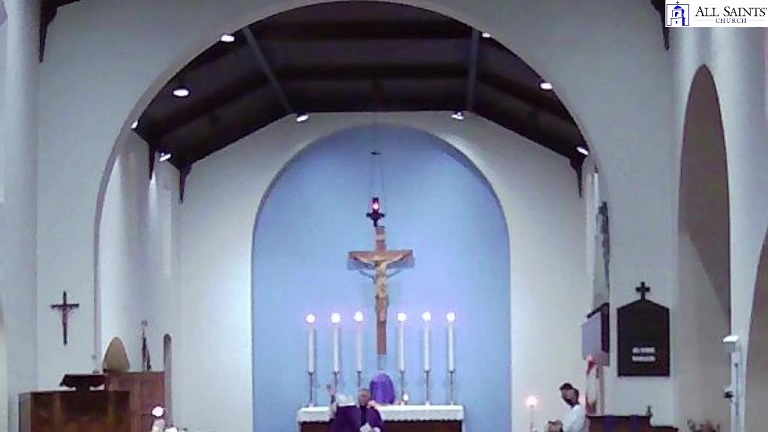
643	289
379	259
65	308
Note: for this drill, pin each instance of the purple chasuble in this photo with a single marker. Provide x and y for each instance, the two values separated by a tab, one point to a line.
350	418
382	389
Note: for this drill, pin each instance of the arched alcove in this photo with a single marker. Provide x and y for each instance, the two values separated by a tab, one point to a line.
756	388
703	318
314	215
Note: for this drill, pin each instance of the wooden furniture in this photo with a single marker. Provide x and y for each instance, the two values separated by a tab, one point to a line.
147	391
625	424
74	411
397	418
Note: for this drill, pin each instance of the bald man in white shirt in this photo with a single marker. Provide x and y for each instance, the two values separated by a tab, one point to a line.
575	420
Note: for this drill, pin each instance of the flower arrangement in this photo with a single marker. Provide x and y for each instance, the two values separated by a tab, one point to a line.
707	426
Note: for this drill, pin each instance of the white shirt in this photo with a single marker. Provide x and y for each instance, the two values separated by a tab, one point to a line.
575	419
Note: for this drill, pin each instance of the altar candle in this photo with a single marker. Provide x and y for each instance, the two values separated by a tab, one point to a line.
336	319
451	357
427	318
401	341
359	342
311	343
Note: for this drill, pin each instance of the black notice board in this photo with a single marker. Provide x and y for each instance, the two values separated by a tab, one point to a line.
643	339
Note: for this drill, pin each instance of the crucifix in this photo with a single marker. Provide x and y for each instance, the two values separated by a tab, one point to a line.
643	290
65	308
379	260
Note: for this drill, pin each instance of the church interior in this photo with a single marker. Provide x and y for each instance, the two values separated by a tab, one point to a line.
233	215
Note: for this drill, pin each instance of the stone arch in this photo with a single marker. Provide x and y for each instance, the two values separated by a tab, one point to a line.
455	150
703	318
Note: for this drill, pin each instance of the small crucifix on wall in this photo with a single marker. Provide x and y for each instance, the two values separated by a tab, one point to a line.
65	308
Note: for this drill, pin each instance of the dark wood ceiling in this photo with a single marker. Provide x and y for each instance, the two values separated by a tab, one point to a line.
351	57
347	57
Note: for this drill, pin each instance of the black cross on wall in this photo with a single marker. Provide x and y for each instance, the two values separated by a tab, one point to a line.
643	289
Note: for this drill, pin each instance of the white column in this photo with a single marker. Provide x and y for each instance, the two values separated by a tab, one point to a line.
18	232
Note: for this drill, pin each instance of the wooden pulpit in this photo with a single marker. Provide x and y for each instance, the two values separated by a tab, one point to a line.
73	410
147	391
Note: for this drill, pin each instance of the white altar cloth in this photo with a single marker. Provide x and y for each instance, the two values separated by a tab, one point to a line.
398	413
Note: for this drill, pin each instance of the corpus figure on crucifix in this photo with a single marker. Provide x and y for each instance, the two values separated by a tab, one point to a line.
380	260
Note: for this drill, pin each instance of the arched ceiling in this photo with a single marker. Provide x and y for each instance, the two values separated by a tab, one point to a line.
351	57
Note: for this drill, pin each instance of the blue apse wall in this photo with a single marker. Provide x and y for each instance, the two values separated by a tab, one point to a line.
438	205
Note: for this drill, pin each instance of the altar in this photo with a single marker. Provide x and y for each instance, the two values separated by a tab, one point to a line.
398	418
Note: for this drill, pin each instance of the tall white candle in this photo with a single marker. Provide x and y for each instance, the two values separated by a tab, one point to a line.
401	346
336	353
311	343
451	354
311	348
427	318
359	342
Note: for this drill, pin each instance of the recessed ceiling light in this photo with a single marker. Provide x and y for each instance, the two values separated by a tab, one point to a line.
458	115
181	92
135	124
164	157
486	35
583	150
545	86
301	118
227	38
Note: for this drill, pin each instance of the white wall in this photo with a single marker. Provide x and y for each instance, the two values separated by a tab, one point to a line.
93	44
3	49
538	194
136	249
4	402
702	366
18	211
740	79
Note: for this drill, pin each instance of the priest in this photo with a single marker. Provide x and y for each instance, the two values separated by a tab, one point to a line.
350	416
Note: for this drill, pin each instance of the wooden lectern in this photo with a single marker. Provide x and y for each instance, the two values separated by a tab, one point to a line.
124	406
72	410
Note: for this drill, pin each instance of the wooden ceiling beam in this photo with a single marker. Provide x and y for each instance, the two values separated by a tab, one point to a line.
532	96
158	128
386	103
266	68
269	32
273	31
363	73
531	130
472	63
